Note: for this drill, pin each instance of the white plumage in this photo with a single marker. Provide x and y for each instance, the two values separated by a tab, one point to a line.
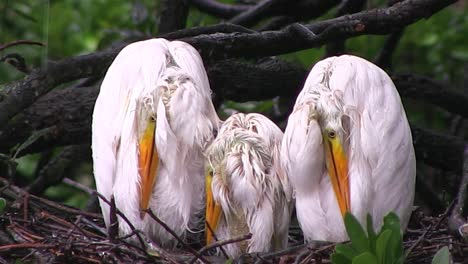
152	119
249	184
348	125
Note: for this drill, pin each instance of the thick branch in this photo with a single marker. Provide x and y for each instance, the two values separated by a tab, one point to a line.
69	111
377	21
256	13
218	9
173	15
434	92
347	7
23	93
299	9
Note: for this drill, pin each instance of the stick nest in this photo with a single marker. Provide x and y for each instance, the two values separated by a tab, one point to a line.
42	231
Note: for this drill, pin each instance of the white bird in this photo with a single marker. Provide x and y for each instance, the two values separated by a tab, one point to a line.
348	148
247	189
152	120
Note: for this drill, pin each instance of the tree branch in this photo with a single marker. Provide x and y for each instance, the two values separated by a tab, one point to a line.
173	15
256	13
218	9
347	7
376	21
69	111
23	93
434	92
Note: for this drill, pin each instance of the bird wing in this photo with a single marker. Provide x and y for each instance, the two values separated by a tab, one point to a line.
133	71
381	143
193	101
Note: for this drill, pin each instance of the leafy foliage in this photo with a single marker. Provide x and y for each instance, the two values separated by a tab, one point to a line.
442	256
386	247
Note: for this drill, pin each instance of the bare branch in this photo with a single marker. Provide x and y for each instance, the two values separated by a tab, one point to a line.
347	7
20	42
434	92
218	9
173	15
376	21
256	13
23	93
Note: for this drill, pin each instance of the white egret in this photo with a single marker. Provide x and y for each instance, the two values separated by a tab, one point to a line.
247	189
348	148
152	120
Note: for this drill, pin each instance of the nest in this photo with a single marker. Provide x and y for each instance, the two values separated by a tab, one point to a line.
42	231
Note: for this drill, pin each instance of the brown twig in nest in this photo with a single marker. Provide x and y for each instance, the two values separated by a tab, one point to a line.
51	232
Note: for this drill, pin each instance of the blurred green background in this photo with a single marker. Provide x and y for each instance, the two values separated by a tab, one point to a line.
437	48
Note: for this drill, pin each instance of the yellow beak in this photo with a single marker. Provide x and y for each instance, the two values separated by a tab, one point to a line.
213	211
337	164
147	165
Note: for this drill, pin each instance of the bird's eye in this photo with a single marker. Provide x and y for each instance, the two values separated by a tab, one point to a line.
331	134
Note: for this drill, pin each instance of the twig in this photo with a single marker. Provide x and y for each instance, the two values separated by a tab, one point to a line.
181	241
224	242
25	245
78	186
20	42
442	217
219	9
216	239
17	61
257	12
132	227
456	220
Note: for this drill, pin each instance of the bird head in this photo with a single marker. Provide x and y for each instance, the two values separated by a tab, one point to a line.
238	168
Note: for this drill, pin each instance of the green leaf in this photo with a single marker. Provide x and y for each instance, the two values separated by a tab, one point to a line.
395	244
337	258
365	258
2	205
442	256
371	233
356	233
382	248
346	250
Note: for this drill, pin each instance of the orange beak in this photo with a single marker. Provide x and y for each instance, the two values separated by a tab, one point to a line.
213	211
147	165
337	164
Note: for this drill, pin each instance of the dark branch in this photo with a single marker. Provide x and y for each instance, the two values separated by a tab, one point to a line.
17	61
456	220
384	59
434	92
218	9
347	7
54	171
23	93
20	42
69	111
256	13
300	9
173	15
377	21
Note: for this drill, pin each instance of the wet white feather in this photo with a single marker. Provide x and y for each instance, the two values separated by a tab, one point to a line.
359	101
167	81
247	181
